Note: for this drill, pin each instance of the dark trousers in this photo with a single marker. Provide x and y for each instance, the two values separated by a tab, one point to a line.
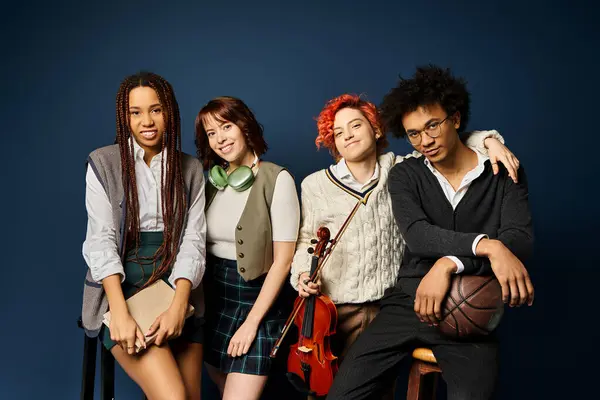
470	368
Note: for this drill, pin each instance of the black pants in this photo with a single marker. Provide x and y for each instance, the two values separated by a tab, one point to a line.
470	369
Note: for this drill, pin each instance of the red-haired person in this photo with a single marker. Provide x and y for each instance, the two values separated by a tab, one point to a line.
252	214
367	259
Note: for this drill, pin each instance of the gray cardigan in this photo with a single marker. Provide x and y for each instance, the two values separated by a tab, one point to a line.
106	164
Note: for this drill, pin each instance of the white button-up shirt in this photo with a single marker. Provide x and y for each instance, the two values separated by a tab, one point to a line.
343	174
100	246
455	196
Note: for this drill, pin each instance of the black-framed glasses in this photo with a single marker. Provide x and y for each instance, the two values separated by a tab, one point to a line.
433	130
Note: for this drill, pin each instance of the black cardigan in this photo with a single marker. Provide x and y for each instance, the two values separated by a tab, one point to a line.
493	205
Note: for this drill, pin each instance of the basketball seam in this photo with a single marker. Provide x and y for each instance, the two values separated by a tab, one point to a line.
453	317
451	314
471	321
463	299
466	301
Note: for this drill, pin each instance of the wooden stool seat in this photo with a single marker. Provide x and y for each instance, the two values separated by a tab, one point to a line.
424	374
424	354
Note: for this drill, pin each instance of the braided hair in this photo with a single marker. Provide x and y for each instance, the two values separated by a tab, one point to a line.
173	202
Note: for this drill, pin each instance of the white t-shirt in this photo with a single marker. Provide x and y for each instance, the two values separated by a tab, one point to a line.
228	205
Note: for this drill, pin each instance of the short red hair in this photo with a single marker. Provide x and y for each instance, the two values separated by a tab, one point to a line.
327	117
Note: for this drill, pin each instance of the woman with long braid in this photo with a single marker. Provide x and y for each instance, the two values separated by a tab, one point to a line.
145	204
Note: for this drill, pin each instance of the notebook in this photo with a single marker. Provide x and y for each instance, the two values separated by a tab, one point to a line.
146	305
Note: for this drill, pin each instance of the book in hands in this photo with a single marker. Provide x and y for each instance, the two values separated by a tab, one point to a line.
147	305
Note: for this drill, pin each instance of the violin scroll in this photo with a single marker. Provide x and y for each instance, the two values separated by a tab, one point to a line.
324	238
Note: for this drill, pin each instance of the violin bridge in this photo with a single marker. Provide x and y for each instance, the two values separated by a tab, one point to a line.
304	349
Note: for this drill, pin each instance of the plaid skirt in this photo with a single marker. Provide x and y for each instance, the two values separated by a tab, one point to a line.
229	300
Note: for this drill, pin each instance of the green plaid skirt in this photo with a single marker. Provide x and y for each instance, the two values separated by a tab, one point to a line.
137	274
229	299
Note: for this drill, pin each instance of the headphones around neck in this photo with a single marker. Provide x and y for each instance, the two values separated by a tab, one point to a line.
240	179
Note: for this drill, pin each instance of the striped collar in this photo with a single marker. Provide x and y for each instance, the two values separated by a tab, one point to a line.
362	196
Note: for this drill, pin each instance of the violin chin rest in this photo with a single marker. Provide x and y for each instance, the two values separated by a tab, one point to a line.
299	384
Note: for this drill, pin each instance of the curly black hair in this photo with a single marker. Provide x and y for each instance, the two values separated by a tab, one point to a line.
429	86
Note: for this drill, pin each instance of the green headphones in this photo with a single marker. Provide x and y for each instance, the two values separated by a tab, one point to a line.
240	179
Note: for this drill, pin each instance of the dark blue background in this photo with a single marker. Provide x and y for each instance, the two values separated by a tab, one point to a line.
532	68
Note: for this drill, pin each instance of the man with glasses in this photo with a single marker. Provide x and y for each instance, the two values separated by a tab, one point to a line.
458	214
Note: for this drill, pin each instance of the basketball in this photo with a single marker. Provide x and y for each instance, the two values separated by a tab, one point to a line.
473	307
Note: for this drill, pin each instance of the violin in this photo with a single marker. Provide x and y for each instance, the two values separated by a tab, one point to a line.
311	364
310	359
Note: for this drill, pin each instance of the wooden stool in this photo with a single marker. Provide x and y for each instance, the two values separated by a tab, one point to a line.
423	377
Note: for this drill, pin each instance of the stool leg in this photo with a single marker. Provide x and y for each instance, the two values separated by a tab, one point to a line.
107	374
88	370
414	382
429	384
422	381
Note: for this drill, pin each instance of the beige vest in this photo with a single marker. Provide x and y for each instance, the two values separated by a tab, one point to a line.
253	233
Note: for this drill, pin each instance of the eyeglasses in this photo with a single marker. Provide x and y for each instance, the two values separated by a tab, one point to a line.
433	130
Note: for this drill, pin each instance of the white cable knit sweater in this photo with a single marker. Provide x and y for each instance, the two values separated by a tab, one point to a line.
366	260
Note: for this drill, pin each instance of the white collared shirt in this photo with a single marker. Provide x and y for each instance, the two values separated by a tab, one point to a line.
100	245
455	196
343	174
